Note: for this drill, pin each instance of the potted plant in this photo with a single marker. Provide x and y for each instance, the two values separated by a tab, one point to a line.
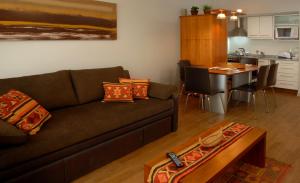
194	10
207	9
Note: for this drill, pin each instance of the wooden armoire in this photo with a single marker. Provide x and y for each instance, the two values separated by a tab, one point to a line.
203	40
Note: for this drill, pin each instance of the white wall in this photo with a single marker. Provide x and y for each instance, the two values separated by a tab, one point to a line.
147	45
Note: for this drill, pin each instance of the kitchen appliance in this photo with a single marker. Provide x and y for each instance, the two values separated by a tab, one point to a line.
239	30
286	55
287	32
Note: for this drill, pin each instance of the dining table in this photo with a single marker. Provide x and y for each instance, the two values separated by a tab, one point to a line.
224	77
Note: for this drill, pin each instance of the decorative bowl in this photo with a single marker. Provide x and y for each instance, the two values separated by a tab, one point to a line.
213	139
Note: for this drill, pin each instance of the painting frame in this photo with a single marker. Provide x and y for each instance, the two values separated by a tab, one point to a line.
58	20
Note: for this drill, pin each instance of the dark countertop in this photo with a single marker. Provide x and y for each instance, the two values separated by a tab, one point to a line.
267	57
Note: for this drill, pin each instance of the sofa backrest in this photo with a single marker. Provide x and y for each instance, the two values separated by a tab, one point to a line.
51	90
88	82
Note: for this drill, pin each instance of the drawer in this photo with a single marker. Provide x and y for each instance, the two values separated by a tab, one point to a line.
288	62
289	69
101	154
157	129
287	77
287	85
263	62
54	172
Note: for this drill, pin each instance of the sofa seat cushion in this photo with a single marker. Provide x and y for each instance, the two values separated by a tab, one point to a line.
77	124
10	135
52	90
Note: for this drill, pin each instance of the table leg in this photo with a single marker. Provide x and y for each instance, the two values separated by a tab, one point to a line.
239	80
219	82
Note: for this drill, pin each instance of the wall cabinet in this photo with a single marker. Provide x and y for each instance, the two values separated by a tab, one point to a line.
203	40
261	27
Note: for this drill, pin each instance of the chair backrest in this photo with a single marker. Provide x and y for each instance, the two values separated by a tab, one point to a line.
272	62
272	77
182	64
262	77
197	80
245	60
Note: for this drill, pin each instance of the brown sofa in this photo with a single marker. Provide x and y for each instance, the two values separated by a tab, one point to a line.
83	133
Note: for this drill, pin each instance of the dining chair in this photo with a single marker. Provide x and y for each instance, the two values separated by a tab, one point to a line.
182	64
252	61
197	81
254	87
271	81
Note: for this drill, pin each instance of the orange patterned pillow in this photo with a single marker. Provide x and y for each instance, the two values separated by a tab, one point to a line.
117	92
140	87
20	110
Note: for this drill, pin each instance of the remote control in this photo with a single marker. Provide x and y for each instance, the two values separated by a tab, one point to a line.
175	159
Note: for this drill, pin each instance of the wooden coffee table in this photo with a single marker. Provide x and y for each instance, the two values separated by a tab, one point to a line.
250	148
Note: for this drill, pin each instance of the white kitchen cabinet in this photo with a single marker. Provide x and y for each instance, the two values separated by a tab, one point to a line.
288	75
253	26
262	62
266	27
261	27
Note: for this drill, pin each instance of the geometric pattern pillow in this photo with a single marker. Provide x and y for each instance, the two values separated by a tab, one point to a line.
140	87
18	109
117	92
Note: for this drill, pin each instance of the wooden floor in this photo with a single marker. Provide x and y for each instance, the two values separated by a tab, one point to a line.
283	141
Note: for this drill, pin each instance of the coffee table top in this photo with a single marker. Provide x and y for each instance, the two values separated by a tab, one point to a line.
218	163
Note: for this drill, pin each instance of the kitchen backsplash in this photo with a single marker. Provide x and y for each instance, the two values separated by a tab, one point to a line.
269	47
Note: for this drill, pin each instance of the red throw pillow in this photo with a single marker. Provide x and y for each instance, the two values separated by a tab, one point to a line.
140	87
117	92
20	110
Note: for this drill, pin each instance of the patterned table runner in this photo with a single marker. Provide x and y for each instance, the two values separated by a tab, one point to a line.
194	156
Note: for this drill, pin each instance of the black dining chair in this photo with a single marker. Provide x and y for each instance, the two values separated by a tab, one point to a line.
254	87
272	79
252	61
197	81
182	64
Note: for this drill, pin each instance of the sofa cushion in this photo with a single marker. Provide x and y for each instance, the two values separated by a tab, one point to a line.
52	90
88	83
117	92
10	135
77	124
18	109
139	86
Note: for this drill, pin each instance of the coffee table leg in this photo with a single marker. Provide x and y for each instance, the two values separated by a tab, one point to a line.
257	155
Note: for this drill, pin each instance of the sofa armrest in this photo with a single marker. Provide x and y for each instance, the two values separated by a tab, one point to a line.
162	91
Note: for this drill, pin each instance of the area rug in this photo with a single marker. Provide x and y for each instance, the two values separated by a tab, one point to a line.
274	172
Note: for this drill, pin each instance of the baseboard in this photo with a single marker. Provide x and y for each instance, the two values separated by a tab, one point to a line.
295	92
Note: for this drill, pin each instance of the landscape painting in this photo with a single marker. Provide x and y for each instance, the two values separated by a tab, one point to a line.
57	20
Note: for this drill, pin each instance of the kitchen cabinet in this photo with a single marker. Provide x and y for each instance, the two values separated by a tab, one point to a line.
290	19
253	26
262	62
261	27
288	75
203	40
